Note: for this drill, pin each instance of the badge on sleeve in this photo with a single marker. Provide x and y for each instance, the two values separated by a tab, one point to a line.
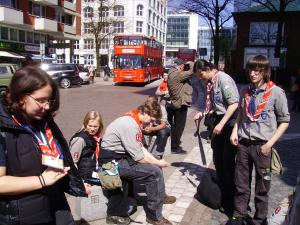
52	162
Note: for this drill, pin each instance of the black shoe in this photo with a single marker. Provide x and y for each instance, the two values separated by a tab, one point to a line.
178	150
117	220
163	221
235	221
169	199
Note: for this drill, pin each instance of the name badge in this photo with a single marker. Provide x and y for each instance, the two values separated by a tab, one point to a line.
53	162
95	175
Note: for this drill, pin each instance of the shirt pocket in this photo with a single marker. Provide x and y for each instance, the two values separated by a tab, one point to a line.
265	117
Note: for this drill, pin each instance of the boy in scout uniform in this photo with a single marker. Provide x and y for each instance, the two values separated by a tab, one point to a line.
263	117
221	103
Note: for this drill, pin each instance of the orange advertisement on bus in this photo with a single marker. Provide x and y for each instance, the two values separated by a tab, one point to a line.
137	59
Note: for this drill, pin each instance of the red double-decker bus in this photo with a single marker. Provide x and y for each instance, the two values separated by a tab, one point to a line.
137	59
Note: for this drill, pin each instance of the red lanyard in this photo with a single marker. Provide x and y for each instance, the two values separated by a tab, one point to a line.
134	114
261	105
49	150
209	88
97	153
163	86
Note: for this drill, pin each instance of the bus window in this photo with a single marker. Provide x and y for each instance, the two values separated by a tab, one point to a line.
128	62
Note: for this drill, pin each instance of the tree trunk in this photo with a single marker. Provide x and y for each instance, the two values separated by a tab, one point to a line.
97	45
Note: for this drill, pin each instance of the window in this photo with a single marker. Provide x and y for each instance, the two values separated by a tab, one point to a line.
14	35
104	44
149	16
60	58
139	10
76	59
68	19
153	18
88	44
118	10
37	38
76	44
89	60
9	3
87	28
37	10
88	12
105	29
148	30
43	38
88	0
139	26
119	27
29	37
22	36
105	11
4	33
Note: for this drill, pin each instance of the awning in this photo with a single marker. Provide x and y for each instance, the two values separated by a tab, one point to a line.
11	55
68	11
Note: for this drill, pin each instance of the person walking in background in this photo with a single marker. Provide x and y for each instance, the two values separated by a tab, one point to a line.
122	141
221	103
91	74
180	91
85	146
36	167
107	71
263	118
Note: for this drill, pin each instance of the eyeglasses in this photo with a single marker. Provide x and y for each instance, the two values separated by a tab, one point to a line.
43	102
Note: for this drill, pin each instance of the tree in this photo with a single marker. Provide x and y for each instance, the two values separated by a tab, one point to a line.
100	24
216	13
279	8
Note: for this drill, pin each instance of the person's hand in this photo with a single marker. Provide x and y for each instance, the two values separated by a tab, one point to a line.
162	163
198	116
148	129
191	64
51	176
234	138
88	189
265	149
218	129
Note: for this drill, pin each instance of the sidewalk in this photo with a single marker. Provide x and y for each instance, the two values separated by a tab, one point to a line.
183	177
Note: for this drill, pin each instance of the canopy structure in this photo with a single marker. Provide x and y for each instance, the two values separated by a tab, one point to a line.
11	55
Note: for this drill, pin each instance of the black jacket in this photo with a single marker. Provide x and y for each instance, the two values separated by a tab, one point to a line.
87	161
23	158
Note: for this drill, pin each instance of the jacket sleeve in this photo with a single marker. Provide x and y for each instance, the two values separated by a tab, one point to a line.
182	76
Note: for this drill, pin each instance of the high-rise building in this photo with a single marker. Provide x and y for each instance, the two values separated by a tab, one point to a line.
25	24
181	32
143	17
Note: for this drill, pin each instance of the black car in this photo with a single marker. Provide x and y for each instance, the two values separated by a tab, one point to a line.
65	74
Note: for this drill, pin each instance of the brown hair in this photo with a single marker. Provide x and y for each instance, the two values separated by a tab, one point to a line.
26	81
259	63
203	65
93	115
151	107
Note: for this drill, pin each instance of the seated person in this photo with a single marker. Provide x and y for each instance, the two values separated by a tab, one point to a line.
159	128
84	146
122	142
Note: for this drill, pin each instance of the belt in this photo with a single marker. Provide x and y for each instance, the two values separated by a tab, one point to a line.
248	142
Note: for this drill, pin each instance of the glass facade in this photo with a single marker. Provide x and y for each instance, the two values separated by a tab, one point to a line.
178	32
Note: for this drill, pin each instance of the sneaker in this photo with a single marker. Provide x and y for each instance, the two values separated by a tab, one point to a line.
178	150
169	199
163	221
235	221
117	220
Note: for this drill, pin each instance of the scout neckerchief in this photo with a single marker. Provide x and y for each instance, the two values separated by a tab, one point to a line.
134	114
163	86
48	147
261	105
209	88
97	152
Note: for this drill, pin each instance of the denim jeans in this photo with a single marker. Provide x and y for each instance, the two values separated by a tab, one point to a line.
147	174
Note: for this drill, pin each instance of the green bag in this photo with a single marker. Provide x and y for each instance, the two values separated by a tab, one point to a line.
276	165
109	176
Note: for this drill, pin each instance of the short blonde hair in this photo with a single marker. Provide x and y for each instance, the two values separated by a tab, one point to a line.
93	115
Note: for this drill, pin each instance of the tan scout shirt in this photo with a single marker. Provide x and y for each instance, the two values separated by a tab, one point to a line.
275	111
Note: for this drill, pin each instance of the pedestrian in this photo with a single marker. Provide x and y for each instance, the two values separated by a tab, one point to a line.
180	91
162	91
91	74
296	92
222	99
159	128
85	146
263	117
36	167
107	71
122	141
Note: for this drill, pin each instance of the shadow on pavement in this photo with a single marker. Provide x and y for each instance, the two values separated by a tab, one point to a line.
149	91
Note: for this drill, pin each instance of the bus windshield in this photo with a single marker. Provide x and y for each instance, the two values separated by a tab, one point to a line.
128	62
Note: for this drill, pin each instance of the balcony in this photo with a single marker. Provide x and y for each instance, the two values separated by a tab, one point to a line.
11	16
70	6
43	24
69	29
46	2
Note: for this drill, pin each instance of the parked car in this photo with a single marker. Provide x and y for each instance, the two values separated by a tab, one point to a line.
7	70
84	75
65	74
